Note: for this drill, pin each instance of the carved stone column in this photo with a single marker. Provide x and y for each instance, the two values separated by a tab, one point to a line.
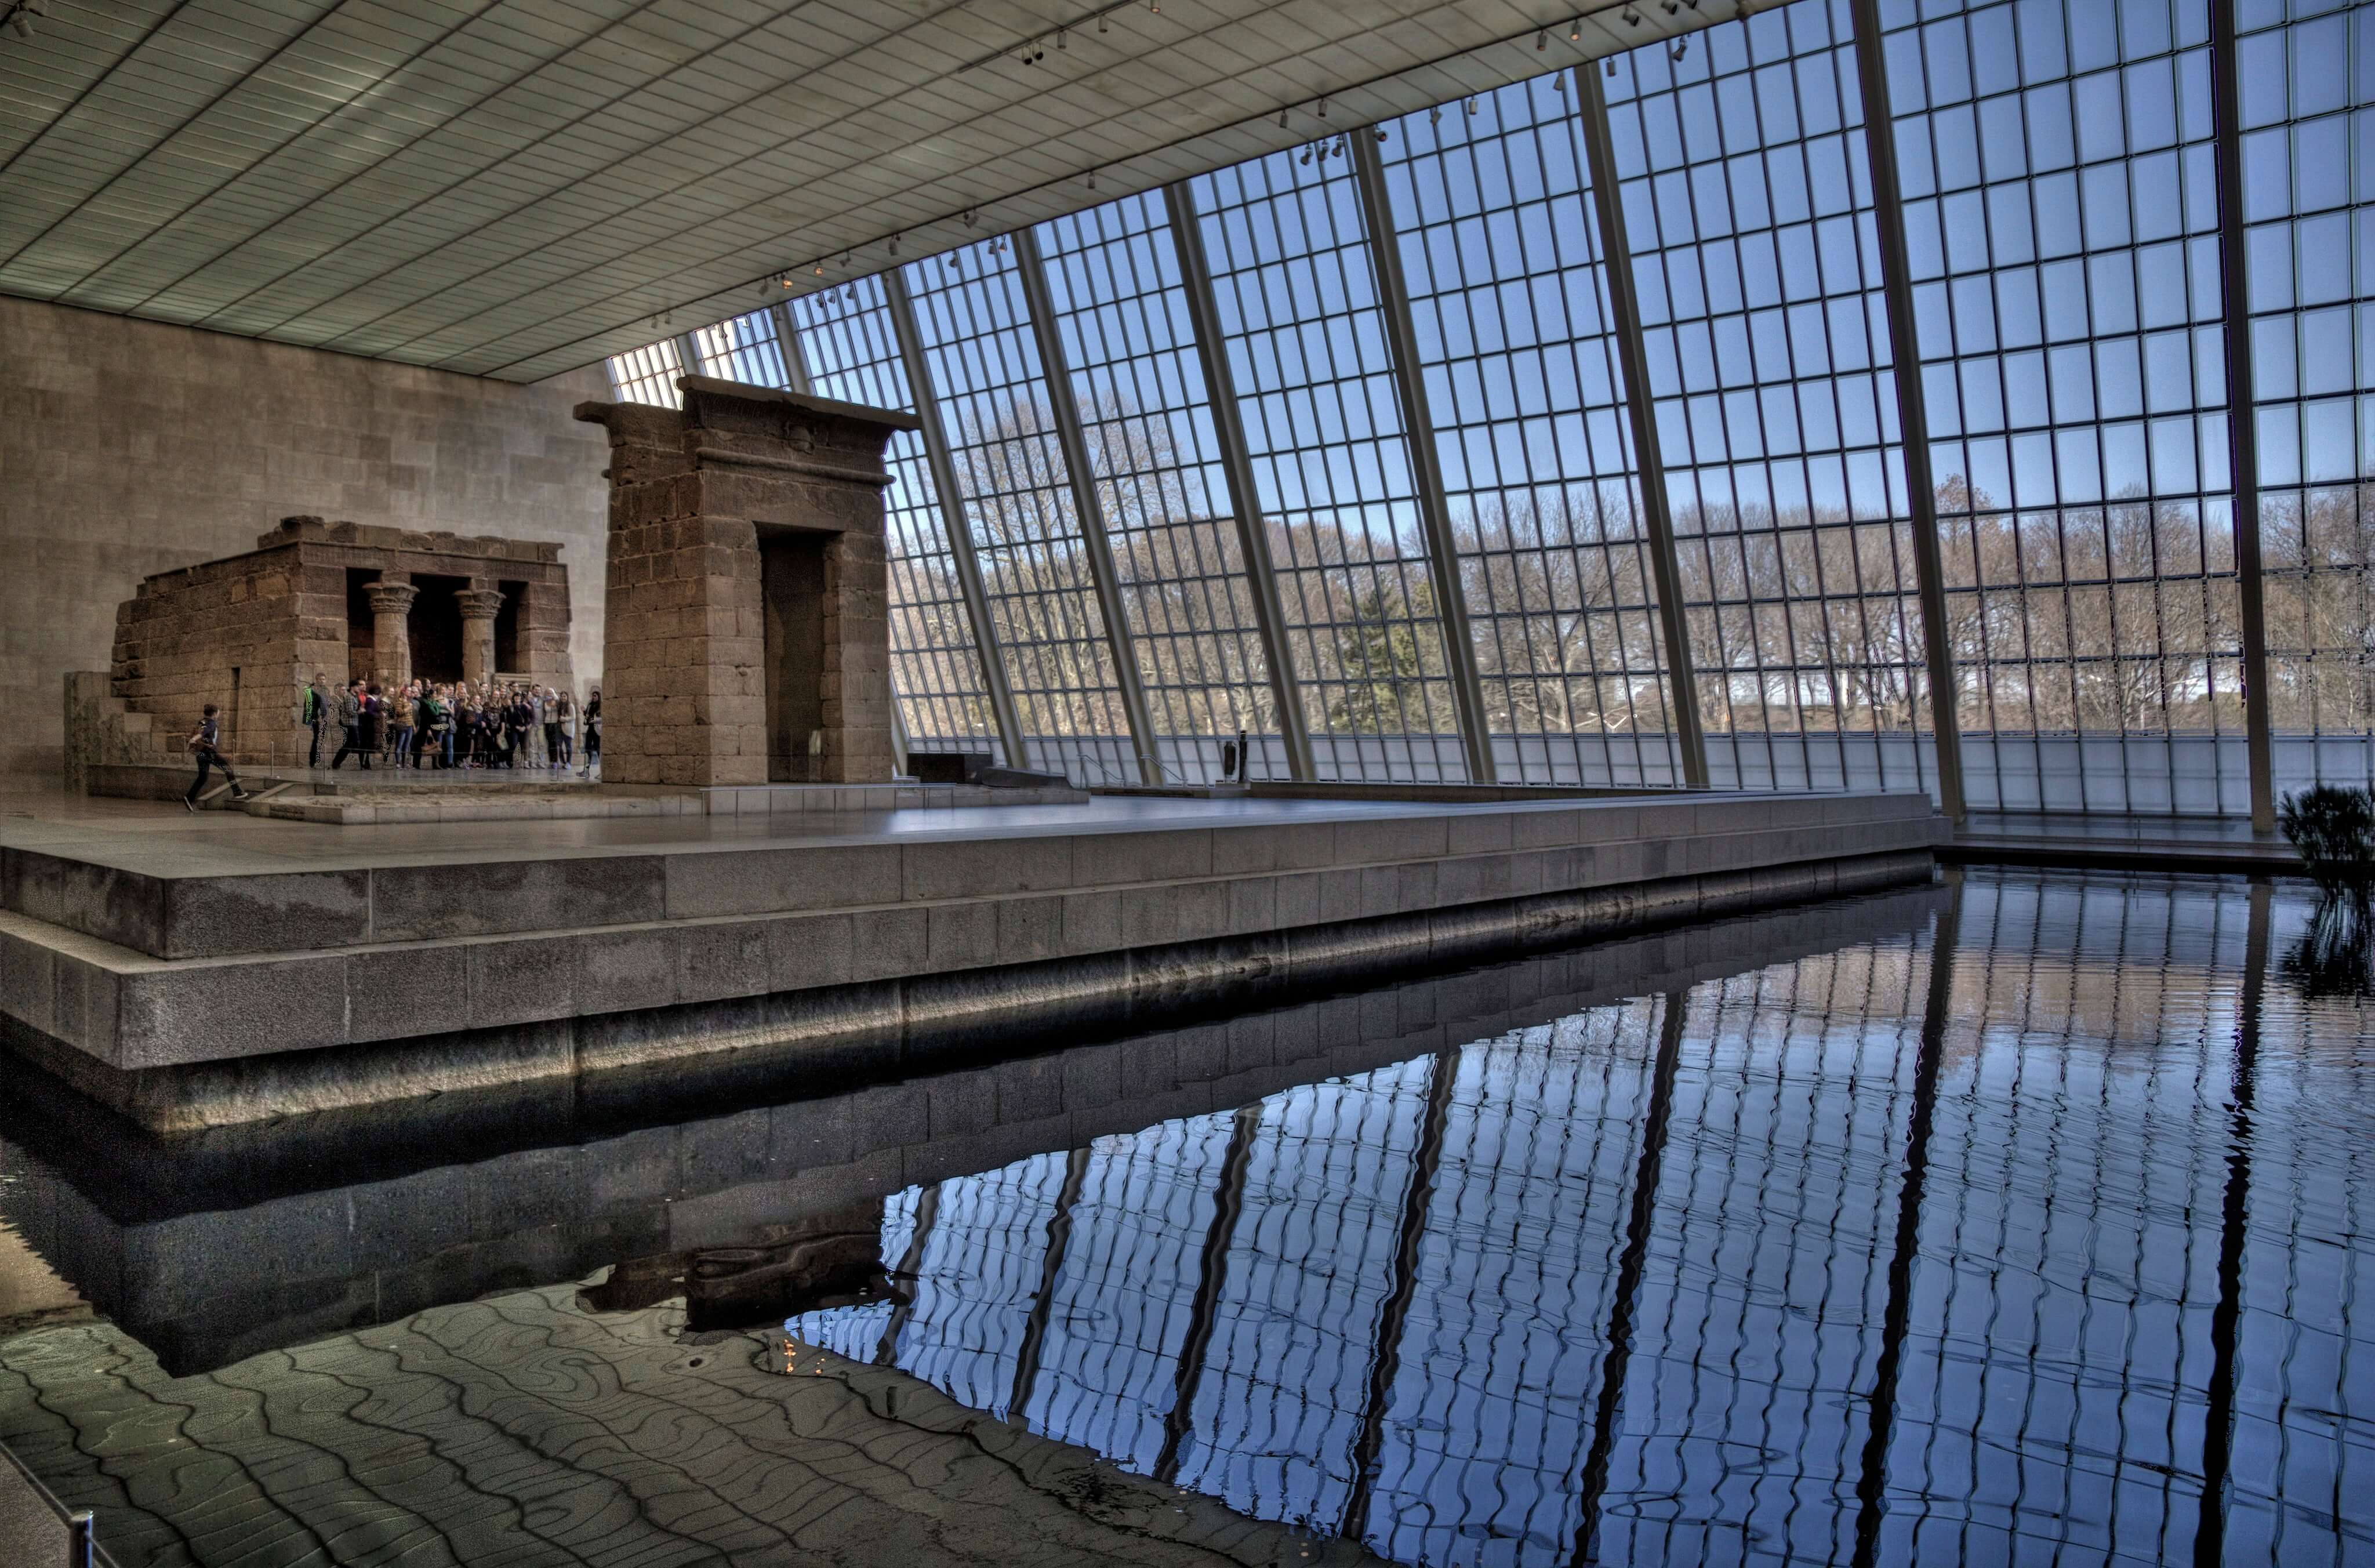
479	606
391	606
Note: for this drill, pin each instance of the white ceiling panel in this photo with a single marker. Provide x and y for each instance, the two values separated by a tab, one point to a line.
515	188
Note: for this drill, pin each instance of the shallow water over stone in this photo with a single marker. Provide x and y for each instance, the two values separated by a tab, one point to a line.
2021	1222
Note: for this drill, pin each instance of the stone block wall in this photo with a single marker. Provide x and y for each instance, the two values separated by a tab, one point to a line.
131	447
685	654
245	632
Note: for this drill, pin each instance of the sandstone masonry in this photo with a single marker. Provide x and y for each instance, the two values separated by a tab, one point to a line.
341	598
747	624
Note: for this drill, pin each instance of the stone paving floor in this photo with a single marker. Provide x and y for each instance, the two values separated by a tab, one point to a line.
526	1429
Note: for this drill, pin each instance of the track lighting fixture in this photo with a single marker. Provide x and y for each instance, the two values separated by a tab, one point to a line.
1559	82
1381	133
1631	17
1101	21
1671	5
952	261
1434	115
1575	30
819	269
1610	63
894	244
1060	39
18	16
969	217
1306	154
1542	41
1681	47
1471	106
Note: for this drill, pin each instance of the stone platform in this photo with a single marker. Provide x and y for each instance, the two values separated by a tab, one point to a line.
241	972
547	1184
350	797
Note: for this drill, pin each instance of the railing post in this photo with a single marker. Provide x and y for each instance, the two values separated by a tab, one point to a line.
1912	406
1633	359
1086	507
1238	470
1426	465
2242	413
953	518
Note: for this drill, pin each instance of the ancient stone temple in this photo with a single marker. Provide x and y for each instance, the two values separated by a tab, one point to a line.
342	599
747	627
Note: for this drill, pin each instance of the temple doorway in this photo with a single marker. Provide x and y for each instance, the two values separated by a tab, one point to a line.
434	625
791	587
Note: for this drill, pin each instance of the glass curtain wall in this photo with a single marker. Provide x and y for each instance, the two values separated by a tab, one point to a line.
1299	320
648	374
743	348
1492	211
2062	215
1112	274
852	353
1748	204
2306	88
1046	624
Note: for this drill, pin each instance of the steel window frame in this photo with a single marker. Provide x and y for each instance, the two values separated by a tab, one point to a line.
1238	472
952	517
1912	406
1642	419
2242	410
1054	369
1426	464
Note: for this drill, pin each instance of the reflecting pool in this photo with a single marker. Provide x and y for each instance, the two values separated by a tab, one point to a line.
2019	1219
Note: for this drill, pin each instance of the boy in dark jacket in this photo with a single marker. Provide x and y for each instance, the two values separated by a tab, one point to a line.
202	744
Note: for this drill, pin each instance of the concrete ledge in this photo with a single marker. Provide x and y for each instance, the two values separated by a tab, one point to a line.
564	1173
170	915
458	947
863	1023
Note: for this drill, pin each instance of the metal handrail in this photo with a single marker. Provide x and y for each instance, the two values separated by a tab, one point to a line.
83	1550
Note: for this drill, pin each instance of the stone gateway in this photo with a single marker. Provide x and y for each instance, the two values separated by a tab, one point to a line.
747	624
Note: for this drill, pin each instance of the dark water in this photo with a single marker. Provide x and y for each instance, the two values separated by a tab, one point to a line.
2021	1222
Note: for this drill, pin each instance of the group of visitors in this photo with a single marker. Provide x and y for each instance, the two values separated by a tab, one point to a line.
489	725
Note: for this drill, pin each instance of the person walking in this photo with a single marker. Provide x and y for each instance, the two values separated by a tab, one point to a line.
350	727
202	745
313	712
593	730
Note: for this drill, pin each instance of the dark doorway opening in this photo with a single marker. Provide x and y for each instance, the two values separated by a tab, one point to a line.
791	586
507	629
361	639
435	624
